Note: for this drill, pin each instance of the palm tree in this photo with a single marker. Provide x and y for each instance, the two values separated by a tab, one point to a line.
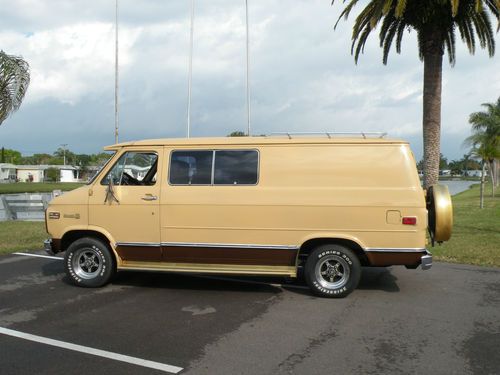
14	82
436	23
485	138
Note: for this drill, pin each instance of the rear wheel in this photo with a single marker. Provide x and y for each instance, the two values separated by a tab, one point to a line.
332	271
89	263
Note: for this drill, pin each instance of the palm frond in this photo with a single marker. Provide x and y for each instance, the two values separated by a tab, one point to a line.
14	82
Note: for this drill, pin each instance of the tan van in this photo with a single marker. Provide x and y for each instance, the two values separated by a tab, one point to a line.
324	206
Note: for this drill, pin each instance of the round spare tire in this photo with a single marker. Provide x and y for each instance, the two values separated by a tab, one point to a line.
440	212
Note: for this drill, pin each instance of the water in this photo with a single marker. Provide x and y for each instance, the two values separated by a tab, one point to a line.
457	186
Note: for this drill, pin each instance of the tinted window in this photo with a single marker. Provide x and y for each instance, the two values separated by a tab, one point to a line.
236	167
133	168
191	168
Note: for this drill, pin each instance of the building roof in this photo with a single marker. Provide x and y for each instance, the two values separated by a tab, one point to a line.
281	139
44	167
7	166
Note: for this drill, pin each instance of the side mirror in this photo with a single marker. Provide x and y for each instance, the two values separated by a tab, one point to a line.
110	192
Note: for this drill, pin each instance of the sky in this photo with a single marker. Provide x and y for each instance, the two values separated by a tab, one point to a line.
302	75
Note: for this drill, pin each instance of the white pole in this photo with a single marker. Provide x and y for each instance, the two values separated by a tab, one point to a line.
248	70
64	152
190	75
116	73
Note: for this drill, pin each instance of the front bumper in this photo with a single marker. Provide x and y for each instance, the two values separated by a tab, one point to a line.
52	246
47	246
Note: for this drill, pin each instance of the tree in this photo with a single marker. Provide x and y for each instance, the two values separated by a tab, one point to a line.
436	23
443	162
237	134
485	138
14	82
10	156
52	174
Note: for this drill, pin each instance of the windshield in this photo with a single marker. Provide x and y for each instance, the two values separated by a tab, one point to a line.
100	168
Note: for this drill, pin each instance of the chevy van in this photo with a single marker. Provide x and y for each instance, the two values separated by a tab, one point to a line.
277	205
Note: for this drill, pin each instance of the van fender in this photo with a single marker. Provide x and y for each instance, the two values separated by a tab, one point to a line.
326	236
100	230
111	240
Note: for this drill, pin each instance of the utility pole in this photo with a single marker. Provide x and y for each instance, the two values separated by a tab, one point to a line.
116	73
190	69
248	69
64	152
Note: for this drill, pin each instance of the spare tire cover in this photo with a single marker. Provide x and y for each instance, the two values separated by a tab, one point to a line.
440	211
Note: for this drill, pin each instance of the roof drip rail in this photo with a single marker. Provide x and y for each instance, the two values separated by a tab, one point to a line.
333	134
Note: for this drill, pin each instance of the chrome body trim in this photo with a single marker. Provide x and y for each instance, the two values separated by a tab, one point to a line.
138	244
395	250
219	245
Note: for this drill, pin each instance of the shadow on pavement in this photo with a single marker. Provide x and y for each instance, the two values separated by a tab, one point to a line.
378	278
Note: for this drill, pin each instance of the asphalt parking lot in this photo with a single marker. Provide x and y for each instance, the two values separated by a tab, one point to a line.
442	321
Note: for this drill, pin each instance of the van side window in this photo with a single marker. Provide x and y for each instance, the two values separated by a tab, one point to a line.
191	168
236	167
133	168
231	167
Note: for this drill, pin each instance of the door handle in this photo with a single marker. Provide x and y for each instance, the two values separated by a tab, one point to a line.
149	197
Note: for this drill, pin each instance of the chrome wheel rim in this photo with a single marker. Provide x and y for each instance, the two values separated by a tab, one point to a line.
332	272
87	263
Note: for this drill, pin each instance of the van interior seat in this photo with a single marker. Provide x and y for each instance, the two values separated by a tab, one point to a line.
179	172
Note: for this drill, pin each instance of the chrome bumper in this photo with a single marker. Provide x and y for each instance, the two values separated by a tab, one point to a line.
47	246
426	261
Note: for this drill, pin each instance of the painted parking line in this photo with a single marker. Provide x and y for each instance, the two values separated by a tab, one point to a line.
97	352
38	256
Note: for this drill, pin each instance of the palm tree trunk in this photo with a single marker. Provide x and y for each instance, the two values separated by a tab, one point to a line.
481	194
433	67
492	167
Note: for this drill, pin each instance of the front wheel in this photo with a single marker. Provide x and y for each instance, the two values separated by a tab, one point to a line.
89	263
332	271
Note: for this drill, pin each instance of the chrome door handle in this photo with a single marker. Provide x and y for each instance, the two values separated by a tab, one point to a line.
149	197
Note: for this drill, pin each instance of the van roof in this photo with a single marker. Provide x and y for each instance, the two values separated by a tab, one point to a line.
254	140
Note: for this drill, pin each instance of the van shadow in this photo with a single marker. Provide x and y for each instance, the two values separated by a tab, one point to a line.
172	281
378	278
372	278
53	268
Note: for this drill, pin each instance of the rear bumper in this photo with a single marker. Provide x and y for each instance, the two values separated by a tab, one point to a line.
426	261
409	257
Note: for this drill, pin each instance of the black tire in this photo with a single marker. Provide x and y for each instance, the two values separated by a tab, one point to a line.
89	263
332	271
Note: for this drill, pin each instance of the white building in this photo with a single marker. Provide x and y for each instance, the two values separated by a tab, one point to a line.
7	172
30	173
38	173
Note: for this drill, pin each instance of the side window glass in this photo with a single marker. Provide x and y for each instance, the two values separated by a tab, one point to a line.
236	167
133	168
191	168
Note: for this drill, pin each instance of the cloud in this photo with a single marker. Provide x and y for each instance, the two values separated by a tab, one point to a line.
303	77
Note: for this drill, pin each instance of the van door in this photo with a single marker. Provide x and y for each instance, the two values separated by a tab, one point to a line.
125	203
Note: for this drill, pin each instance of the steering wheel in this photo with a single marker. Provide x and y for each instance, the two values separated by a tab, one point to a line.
129	180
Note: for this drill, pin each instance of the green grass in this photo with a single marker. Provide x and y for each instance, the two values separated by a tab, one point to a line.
476	232
21	236
36	187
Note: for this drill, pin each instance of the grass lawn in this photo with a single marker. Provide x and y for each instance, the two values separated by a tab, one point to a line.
476	232
36	187
475	239
21	236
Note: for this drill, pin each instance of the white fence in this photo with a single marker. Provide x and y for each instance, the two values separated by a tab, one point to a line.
26	206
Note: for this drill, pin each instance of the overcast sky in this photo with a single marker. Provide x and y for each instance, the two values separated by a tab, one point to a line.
303	77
